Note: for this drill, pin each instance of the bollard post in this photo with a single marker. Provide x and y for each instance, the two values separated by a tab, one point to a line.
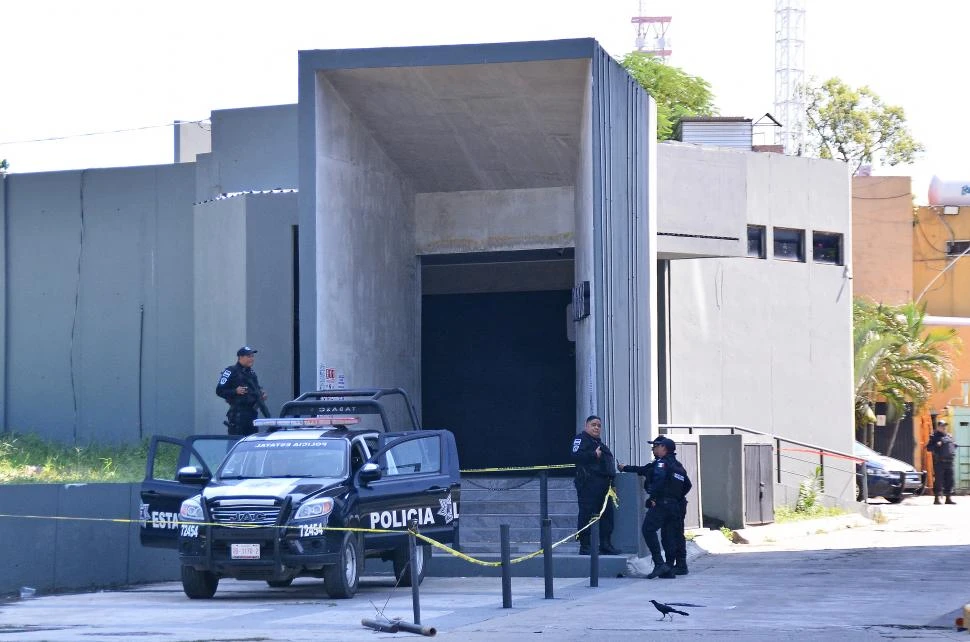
547	555
415	571
594	554
543	494
506	567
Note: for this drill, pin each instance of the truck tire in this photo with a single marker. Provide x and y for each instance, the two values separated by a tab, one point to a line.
199	585
402	569
341	579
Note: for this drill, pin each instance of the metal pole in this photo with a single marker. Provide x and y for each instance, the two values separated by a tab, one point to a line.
506	566
778	458
415	571
594	554
547	555
543	494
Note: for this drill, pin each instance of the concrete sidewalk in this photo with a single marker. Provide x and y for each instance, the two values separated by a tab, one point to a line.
904	574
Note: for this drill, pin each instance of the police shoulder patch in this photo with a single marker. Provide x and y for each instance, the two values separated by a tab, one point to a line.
576	444
660	464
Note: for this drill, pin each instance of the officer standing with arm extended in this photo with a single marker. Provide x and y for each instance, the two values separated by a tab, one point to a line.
944	449
667	485
239	386
595	470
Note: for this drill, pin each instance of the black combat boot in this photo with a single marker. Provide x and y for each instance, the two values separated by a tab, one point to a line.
606	548
680	567
936	500
660	569
949	500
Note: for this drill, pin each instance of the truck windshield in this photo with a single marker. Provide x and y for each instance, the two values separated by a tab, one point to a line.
286	458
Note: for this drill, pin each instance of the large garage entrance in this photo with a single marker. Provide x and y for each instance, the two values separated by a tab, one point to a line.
498	368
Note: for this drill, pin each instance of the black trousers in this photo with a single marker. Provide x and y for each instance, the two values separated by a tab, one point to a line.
942	476
667	518
240	420
590	494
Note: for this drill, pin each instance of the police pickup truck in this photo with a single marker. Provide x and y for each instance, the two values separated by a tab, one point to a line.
273	508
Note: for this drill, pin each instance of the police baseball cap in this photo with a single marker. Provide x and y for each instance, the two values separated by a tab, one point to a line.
666	442
245	351
941	422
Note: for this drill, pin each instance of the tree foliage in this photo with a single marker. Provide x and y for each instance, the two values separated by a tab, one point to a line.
897	360
856	126
4	165
678	94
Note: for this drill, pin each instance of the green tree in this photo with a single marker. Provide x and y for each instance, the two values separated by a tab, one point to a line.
897	360
4	166
678	94
856	126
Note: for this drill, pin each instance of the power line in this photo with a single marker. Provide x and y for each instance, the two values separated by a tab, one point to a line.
114	131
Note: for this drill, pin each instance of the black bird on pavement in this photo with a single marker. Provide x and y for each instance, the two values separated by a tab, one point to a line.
667	610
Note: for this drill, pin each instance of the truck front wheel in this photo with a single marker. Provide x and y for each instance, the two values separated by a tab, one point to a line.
341	579
199	585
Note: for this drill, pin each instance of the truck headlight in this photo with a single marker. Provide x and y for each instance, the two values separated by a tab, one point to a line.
191	510
319	507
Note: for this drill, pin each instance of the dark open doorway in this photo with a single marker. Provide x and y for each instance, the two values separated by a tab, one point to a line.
499	371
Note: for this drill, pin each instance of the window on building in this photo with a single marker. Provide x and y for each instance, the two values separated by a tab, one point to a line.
756	241
789	244
956	248
827	248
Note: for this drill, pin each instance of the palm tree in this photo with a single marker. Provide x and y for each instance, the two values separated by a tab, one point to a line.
898	360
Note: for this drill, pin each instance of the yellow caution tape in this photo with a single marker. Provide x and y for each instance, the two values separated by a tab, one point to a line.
610	495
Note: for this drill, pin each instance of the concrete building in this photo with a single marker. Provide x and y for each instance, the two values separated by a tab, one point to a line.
491	227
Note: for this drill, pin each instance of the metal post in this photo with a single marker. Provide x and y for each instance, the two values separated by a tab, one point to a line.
821	468
543	494
547	555
594	554
415	571
506	566
778	458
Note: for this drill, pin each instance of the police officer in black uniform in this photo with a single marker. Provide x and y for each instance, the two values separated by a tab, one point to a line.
595	470
239	386
667	486
943	448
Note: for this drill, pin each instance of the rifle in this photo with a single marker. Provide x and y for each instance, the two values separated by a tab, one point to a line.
257	393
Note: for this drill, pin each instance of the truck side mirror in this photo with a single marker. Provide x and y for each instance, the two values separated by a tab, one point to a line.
369	472
192	475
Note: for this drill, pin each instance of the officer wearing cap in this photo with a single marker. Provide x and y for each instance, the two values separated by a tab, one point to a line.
239	386
667	486
595	470
943	448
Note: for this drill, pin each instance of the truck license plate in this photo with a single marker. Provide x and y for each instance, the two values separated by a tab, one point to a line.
244	551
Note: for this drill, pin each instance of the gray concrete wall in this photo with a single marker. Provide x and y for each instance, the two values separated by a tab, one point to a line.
766	344
494	220
191	139
367	277
56	554
99	303
244	278
587	386
253	149
702	201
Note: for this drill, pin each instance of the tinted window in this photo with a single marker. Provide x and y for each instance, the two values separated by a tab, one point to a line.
756	241
789	244
827	248
414	456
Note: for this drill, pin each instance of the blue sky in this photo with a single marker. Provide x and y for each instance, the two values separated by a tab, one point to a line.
73	68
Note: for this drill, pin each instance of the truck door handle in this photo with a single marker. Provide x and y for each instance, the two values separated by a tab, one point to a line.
435	490
151	493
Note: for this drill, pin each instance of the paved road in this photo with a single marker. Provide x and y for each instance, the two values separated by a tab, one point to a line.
904	577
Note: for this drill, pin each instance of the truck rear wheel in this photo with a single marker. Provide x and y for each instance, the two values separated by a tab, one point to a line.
402	569
199	585
341	579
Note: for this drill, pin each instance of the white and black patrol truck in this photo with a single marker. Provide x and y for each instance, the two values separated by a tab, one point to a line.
271	509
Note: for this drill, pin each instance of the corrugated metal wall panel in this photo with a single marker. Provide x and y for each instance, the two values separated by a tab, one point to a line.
624	225
731	134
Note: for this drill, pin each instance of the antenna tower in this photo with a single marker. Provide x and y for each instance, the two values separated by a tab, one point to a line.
790	73
652	34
